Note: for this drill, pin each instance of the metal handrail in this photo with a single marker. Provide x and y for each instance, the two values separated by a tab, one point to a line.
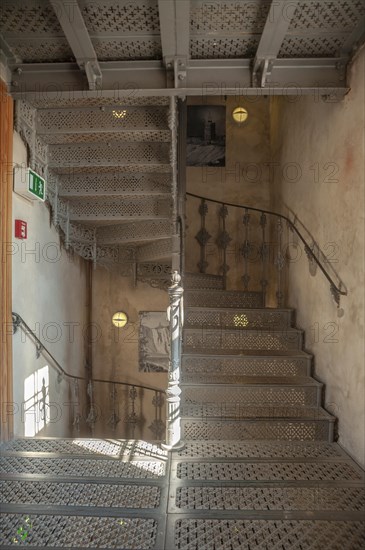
336	291
19	321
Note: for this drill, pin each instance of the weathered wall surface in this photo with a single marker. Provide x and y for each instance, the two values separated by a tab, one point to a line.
318	149
115	351
245	179
49	292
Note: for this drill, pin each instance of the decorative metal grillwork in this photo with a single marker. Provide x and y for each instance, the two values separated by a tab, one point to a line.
254	449
91	154
123	50
249	319
261	395
80	494
238	17
157	250
119	137
209	338
225	299
270	498
327	15
275	430
278	471
157	275
85	446
274	534
223	48
71	531
194	281
44	51
134	232
122	168
110	184
312	46
203	237
53	121
82	467
139	16
247	366
234	410
17	18
97	101
121	208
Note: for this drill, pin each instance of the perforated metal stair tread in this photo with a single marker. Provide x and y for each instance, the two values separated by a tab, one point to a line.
214	449
220	380
210	412
239	318
223	298
245	353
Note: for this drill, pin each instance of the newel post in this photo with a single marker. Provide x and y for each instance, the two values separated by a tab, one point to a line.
175	316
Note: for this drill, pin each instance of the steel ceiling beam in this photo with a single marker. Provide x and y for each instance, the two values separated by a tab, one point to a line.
175	36
204	77
70	18
276	27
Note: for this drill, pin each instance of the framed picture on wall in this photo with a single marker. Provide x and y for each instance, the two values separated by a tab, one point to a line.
206	135
154	341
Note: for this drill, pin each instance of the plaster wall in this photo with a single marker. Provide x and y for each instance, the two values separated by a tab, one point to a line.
115	352
318	148
245	179
49	292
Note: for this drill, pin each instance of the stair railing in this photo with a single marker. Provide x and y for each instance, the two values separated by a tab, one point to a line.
134	395
264	252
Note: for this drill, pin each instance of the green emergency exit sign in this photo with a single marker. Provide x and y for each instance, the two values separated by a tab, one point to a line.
36	185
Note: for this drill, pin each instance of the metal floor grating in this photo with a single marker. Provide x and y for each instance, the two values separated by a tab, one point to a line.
210	495
217	534
274	471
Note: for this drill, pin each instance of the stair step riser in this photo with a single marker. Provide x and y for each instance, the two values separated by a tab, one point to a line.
211	339
291	396
223	299
247	366
270	430
202	281
248	319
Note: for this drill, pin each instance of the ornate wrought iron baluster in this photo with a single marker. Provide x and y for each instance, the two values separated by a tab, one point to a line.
246	249
114	417
264	256
158	426
279	262
92	416
76	406
132	417
203	237
175	314
223	241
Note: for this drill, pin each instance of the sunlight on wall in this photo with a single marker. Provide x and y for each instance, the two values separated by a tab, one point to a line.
36	402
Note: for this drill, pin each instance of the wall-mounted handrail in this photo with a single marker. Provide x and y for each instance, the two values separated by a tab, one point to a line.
19	321
337	290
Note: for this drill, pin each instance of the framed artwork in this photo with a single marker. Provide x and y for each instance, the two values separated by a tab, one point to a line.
206	135
154	341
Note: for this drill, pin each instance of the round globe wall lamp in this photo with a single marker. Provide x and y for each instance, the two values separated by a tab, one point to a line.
240	115
120	319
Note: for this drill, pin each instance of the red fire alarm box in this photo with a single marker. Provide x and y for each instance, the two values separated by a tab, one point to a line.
20	229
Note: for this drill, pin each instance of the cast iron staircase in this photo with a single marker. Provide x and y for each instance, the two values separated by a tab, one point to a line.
245	374
259	468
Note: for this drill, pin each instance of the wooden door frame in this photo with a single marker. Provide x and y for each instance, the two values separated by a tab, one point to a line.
6	190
